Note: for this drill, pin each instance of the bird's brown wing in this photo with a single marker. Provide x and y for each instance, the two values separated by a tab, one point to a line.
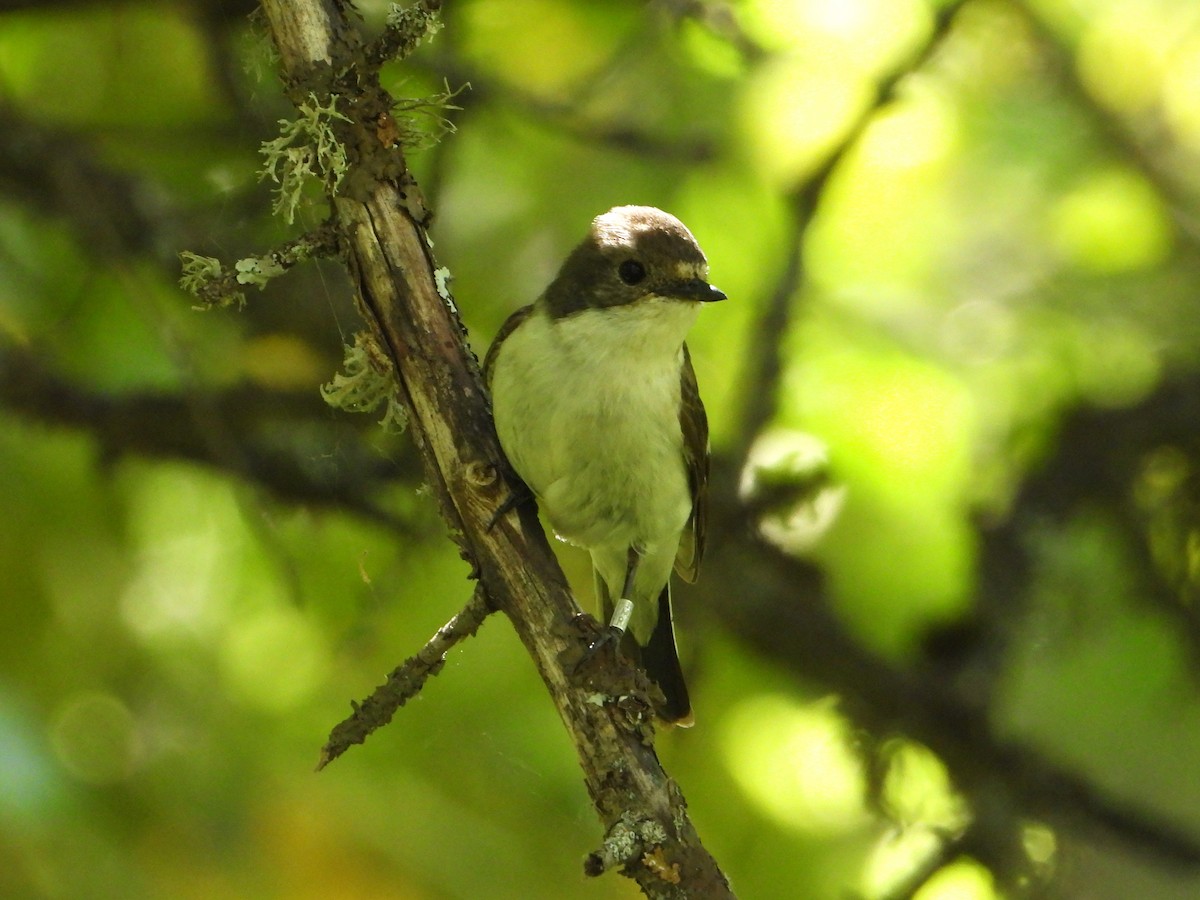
694	424
509	326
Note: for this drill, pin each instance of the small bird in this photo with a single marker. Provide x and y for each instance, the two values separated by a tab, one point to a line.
597	409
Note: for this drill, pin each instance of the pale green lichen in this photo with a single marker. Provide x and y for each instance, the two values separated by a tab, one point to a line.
441	279
208	281
420	20
257	270
366	382
422	121
307	147
198	271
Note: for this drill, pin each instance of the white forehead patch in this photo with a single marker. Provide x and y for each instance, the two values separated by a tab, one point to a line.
614	232
686	270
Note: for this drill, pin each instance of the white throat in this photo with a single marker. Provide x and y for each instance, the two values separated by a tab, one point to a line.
651	330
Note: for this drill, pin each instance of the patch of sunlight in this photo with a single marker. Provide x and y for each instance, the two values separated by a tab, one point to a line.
190	537
900	554
919	131
1115	361
795	111
917	789
895	857
896	198
787	478
914	419
1123	55
95	737
796	763
1181	94
962	880
866	35
917	795
274	659
1112	222
542	45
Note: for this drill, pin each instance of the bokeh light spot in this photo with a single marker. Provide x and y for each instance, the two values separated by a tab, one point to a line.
95	738
961	880
1113	222
1181	94
1122	56
274	660
796	762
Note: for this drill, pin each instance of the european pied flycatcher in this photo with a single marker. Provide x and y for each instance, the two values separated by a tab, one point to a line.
597	409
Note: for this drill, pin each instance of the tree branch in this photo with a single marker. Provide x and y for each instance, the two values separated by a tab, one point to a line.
383	221
227	430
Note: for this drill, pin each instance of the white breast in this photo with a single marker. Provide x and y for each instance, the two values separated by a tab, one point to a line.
587	409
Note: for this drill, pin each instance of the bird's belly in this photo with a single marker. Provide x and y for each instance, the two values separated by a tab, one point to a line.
602	450
622	483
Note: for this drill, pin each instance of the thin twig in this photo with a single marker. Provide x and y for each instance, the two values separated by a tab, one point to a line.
406	28
405	681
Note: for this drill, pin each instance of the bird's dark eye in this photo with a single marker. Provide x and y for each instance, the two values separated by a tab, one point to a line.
631	271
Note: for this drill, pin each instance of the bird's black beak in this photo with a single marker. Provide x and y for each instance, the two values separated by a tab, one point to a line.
695	289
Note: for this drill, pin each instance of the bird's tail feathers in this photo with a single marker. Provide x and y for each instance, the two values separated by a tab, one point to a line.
660	659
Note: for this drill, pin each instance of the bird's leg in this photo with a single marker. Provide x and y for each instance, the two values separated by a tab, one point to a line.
622	611
623	608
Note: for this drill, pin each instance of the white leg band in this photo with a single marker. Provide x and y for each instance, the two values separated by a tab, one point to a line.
622	615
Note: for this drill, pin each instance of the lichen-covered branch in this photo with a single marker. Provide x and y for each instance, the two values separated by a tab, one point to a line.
406	27
216	286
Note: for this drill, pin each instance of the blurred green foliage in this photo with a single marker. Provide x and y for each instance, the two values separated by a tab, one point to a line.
1011	236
